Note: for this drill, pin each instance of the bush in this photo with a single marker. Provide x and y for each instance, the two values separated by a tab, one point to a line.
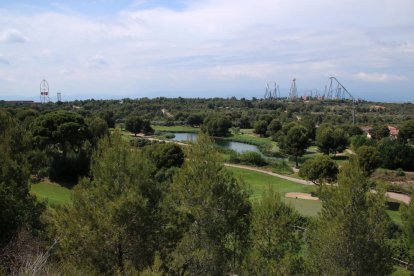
400	172
252	158
248	158
281	167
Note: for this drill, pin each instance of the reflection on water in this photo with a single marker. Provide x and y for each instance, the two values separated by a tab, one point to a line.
236	146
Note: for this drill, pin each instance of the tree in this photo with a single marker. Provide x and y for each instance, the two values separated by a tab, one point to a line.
216	125
319	170
407	217
165	155
194	120
406	132
369	159
62	129
98	129
215	213
134	124
260	127
352	130
273	127
379	131
146	128
331	140
295	142
114	218
350	236
63	136
275	241
109	118
18	208
396	155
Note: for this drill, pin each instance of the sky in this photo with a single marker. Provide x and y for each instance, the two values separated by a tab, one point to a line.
113	49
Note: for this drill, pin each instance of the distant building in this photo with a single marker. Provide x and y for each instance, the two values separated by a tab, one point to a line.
393	132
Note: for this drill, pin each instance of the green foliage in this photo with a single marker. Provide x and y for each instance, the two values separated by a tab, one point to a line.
260	127
195	120
146	128
62	129
18	209
319	170
134	124
361	140
350	237
295	142
216	125
407	216
114	217
214	211
109	117
406	132
379	131
369	159
351	130
248	158
273	127
331	140
276	242
98	128
396	155
165	155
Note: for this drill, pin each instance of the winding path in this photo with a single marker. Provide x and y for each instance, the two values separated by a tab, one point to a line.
396	196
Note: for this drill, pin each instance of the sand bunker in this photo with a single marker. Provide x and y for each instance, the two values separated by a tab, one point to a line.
302	196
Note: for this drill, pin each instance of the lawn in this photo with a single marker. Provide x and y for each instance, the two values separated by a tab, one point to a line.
177	129
260	182
53	193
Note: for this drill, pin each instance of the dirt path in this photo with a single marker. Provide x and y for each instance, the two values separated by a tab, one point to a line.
400	197
301	196
299	181
397	196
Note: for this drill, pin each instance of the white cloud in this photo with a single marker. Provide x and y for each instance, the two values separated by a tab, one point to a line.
12	36
239	42
379	77
4	61
97	61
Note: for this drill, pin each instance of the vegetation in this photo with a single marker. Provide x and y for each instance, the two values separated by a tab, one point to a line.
320	169
350	237
127	205
18	209
295	142
331	140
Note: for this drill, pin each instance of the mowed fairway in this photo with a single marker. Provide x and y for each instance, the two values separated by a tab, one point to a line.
53	193
259	183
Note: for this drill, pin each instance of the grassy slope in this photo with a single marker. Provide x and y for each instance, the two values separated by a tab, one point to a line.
53	193
259	183
176	129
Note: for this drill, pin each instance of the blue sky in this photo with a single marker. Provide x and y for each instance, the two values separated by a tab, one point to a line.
205	48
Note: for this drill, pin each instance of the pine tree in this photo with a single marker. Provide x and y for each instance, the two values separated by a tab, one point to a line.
112	223
350	236
215	213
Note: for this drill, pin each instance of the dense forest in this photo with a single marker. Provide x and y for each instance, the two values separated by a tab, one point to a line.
143	206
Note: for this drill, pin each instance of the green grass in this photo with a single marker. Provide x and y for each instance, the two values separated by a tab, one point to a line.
395	216
177	129
53	193
260	182
400	271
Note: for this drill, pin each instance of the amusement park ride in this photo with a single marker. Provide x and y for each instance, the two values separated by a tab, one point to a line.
333	91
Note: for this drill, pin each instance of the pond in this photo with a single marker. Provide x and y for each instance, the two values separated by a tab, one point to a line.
236	146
